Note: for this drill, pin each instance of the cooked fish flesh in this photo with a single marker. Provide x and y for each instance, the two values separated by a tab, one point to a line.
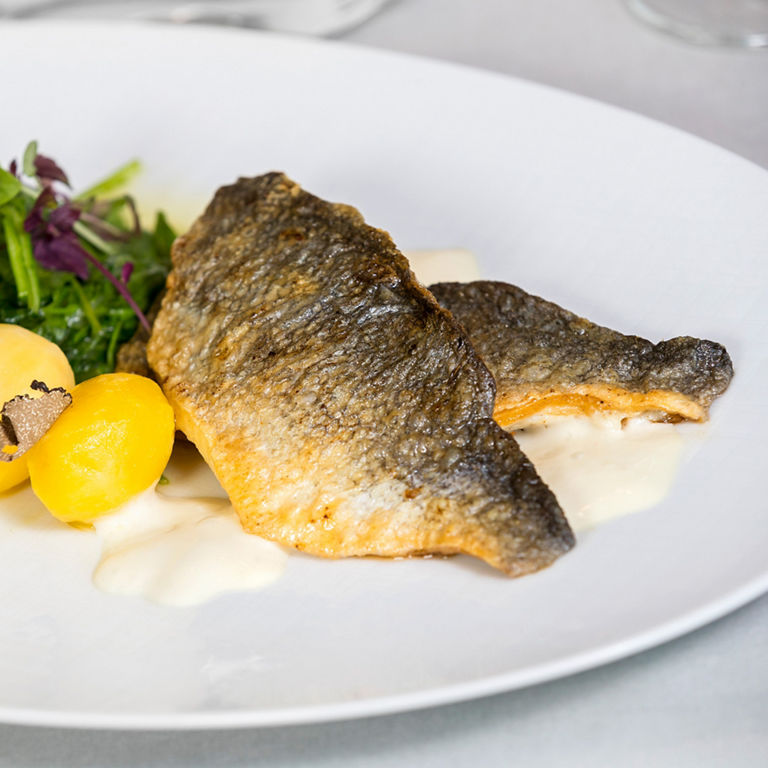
547	360
343	411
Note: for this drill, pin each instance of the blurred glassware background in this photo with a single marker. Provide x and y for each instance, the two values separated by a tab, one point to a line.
740	23
310	17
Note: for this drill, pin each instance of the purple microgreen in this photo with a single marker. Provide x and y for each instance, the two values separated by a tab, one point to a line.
54	244
127	271
35	223
63	253
63	217
48	171
13	168
58	228
121	289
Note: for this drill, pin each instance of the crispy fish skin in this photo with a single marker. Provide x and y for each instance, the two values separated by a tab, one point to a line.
546	359
340	407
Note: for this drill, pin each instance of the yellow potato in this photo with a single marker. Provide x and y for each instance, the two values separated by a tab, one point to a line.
12	473
112	443
24	357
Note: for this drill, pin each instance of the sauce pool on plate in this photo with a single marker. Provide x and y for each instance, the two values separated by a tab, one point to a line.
599	469
182	543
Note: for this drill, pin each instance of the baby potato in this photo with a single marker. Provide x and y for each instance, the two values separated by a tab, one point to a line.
12	473
112	443
24	357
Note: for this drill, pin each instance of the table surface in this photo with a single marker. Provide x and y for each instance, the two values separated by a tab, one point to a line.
698	701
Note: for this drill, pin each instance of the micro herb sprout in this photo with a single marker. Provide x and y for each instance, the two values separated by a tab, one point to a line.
77	269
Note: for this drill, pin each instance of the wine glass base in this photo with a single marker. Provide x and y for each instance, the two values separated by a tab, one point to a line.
734	23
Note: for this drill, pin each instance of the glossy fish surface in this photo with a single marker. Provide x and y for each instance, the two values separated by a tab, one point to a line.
341	408
547	360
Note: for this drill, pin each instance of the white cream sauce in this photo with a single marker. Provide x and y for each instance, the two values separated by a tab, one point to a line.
599	469
182	543
444	265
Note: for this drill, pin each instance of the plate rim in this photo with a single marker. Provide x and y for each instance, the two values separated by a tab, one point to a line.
381	706
436	695
284	38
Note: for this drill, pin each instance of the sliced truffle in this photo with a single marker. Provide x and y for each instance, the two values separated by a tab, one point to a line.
24	419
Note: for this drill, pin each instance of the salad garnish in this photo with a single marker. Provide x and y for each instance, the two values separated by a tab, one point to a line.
77	269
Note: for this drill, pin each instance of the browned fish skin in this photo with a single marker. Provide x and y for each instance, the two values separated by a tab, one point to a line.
340	407
540	353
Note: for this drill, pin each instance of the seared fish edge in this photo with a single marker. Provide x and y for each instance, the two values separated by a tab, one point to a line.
547	360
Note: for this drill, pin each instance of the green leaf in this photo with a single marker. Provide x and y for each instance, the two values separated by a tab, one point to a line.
116	180
12	235
28	162
30	268
91	237
18	246
88	319
163	236
86	305
9	186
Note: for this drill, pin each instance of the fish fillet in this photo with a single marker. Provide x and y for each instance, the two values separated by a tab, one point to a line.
547	360
342	410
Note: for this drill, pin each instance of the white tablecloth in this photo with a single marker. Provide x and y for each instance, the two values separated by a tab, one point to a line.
700	701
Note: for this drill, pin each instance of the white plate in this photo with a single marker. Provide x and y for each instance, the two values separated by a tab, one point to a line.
633	224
